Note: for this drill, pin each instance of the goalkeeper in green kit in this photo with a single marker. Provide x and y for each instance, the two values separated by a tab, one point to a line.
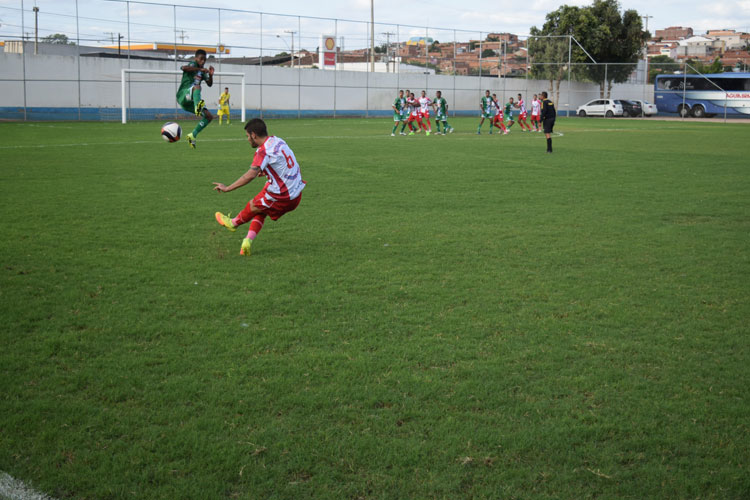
189	94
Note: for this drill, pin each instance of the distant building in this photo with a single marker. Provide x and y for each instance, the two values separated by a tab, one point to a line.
673	33
730	38
698	47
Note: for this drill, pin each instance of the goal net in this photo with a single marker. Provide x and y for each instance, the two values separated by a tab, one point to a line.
151	94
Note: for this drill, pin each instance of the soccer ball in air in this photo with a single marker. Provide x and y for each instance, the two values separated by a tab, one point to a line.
171	132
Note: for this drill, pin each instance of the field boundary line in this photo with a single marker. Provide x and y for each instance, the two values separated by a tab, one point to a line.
14	489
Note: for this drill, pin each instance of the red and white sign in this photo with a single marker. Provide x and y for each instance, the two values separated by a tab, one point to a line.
327	52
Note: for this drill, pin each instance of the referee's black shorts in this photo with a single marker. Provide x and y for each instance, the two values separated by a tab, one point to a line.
549	124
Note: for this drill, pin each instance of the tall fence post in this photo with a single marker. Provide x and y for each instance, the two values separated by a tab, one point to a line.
261	66
299	70
335	62
684	89
78	61
23	59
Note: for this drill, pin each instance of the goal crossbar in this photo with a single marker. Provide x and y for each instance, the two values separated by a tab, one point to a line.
125	71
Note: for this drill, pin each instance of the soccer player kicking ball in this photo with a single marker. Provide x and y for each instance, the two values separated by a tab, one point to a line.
282	192
548	116
189	93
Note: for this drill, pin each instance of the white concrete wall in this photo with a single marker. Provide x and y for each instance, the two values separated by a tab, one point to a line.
53	81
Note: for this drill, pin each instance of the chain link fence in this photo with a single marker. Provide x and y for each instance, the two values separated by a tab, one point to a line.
73	51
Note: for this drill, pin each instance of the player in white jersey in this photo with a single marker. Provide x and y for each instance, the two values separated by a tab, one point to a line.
424	111
282	192
522	113
536	111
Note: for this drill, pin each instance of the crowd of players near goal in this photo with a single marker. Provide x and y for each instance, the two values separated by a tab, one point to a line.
414	112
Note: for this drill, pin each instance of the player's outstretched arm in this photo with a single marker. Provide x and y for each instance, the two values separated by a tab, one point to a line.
245	179
210	79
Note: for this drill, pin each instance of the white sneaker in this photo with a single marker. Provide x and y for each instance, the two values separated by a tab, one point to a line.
393	135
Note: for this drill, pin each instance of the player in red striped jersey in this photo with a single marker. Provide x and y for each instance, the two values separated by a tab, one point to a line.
536	109
521	105
424	112
498	120
282	191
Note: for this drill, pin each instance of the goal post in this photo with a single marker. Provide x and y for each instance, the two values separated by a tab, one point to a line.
124	86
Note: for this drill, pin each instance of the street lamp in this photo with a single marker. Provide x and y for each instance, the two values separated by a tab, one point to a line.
292	47
36	29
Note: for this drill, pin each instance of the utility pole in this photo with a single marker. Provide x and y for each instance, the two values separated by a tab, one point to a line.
291	33
36	29
645	80
372	36
182	35
387	51
112	39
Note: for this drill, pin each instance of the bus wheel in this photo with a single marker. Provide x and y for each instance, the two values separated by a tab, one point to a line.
683	110
699	111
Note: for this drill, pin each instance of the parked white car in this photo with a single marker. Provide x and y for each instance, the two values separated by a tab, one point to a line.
648	108
600	107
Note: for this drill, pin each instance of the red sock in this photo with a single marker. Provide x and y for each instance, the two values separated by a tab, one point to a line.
256	225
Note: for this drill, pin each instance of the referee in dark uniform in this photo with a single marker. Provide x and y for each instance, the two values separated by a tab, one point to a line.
548	119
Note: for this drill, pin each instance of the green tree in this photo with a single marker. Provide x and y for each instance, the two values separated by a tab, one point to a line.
58	38
619	39
607	35
697	67
487	53
549	46
661	64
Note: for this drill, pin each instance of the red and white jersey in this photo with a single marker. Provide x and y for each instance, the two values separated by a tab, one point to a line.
522	106
536	107
497	109
414	107
424	104
280	165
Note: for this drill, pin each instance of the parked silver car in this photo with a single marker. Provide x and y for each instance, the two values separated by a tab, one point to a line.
648	108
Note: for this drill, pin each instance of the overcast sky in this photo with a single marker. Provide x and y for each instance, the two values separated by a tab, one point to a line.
502	15
101	20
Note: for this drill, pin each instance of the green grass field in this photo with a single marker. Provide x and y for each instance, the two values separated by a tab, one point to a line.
444	317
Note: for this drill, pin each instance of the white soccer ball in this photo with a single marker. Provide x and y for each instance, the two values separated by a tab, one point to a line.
171	132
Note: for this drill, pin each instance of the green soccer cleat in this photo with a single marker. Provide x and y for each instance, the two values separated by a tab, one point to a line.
411	133
245	248
226	221
427	133
191	140
200	107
